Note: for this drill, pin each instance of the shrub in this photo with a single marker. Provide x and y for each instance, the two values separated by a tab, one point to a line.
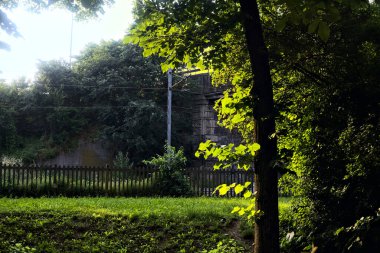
122	161
172	180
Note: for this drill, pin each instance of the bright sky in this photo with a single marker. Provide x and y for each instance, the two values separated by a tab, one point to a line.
46	36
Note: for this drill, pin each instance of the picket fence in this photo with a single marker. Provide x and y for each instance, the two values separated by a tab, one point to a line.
107	181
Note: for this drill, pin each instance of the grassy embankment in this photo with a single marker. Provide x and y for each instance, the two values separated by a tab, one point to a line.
122	225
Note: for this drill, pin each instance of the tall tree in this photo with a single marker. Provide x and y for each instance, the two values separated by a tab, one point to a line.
204	31
202	34
266	184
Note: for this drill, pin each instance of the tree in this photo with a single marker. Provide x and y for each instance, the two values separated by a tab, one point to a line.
7	131
130	91
329	117
108	93
266	227
201	34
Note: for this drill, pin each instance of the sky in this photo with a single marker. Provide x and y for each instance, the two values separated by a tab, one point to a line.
46	36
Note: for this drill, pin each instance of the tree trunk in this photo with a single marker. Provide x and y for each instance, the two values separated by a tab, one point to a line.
266	181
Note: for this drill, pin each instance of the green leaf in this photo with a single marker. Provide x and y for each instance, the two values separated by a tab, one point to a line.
334	13
200	65
204	145
242	212
217	165
239	188
252	215
338	231
160	21
147	52
323	31
240	150
165	67
223	189
217	188
237	118
247	184
247	194
312	28
216	152
253	148
250	207
281	24
236	209
128	39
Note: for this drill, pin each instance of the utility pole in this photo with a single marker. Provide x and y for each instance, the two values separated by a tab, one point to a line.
170	89
170	85
71	37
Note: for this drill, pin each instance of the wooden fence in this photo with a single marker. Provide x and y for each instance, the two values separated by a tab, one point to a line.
99	181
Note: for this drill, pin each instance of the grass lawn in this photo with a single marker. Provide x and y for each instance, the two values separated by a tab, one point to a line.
122	225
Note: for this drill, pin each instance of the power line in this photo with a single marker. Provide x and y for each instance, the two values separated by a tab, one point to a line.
71	38
86	107
113	87
127	87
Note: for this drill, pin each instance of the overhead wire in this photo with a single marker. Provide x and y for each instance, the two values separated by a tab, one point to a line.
86	107
128	87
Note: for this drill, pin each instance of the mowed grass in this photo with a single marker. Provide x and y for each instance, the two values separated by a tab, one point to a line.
121	224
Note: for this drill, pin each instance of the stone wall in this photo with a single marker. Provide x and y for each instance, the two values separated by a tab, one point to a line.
204	117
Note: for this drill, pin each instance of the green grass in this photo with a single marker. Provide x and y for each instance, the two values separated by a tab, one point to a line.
119	224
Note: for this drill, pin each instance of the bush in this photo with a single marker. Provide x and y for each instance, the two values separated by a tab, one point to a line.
172	180
122	161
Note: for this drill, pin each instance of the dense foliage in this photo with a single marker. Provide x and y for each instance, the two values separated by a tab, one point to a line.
109	93
324	67
172	181
329	130
324	58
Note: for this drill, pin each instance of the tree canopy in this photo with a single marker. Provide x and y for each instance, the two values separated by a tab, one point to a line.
316	61
110	92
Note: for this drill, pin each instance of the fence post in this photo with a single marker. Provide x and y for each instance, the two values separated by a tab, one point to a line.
106	170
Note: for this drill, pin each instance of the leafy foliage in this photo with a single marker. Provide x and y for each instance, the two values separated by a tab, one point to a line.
8	132
172	181
323	56
129	89
327	128
122	161
107	95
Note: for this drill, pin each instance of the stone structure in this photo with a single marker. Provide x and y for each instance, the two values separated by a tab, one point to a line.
204	117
